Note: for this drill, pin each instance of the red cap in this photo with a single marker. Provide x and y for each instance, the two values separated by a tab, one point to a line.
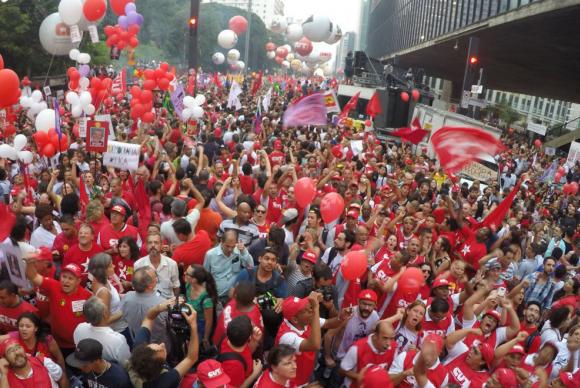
506	377
352	213
517	349
377	377
455	189
119	209
368	295
310	256
278	145
292	306
217	133
487	353
211	374
6	344
336	151
567	379
386	189
435	340
73	268
440	282
44	254
494	314
257	145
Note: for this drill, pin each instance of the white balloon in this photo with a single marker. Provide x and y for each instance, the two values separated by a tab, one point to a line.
25	156
36	96
278	24
37	107
89	110
240	65
55	35
294	32
271	54
288	47
324	56
74	54
317	28
85	99
20	142
72	98
227	39
200	99
197	112
233	55
319	72
335	35
7	151
218	58
76	110
45	120
84	82
286	64
70	11
186	114
25	102
290	57
188	101
84	59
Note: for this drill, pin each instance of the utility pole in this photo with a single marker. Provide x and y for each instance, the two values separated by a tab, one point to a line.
193	25
247	50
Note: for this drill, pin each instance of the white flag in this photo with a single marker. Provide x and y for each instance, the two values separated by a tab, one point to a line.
266	100
233	99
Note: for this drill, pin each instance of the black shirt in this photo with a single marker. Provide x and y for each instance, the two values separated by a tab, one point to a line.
168	379
114	377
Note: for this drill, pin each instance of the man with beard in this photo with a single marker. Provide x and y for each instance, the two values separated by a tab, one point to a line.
166	268
342	243
20	370
468	366
532	315
541	285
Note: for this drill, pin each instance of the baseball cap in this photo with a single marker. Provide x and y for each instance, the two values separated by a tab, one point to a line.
377	377
506	377
44	254
567	379
440	282
310	255
493	264
487	353
292	306
289	215
494	314
386	189
119	209
517	349
72	268
4	345
87	350
368	295
211	374
352	213
278	145
435	340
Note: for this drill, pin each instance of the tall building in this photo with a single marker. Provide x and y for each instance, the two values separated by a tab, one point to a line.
265	9
346	44
365	12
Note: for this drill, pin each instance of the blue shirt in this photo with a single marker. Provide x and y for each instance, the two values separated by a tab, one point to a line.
225	269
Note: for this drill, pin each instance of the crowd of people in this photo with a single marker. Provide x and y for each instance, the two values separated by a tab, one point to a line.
199	268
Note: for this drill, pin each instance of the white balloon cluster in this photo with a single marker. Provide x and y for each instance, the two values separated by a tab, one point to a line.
82	58
17	152
80	103
193	109
45	120
35	104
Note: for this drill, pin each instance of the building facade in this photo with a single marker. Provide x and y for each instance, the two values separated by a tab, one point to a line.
346	44
265	9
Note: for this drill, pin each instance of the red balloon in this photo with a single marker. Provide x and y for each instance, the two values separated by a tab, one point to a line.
41	139
368	123
9	130
134	29
136	91
416	95
281	52
566	188
133	42
238	24
149	84
94	9
164	66
538	143
411	281
405	96
574	188
9	86
1	62
149	74
64	142
305	191
336	151
561	170
163	83
278	60
49	150
331	207
270	46
73	85
146	96
96	83
557	177
53	139
121	44
159	73
118	6
109	30
148	117
354	265
139	109
304	46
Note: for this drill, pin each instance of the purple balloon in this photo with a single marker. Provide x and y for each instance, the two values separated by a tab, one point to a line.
84	70
130	7
139	19
132	18
123	21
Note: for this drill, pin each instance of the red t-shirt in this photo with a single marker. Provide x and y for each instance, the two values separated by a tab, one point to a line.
98	225
128	197
471	251
9	315
234	368
230	312
81	258
266	381
277	157
123	268
62	243
193	251
108	237
66	311
210	222
247	184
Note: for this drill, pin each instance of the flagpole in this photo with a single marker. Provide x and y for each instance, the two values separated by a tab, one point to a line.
247	48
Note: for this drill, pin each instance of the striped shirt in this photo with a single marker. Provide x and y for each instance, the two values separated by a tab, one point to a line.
246	233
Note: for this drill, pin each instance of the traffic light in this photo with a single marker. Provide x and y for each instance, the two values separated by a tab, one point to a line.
193	22
473	60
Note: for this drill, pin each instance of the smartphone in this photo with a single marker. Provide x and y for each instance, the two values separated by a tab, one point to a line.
501	292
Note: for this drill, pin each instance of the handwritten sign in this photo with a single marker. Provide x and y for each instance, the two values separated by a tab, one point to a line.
480	172
573	154
12	257
122	155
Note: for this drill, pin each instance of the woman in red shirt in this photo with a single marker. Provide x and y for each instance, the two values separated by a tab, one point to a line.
123	261
282	361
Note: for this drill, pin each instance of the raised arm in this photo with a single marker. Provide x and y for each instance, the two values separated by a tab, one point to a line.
229	213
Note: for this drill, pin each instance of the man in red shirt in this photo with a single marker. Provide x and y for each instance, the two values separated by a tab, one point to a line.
120	196
65	239
111	233
473	249
67	299
11	306
277	156
468	366
193	248
81	252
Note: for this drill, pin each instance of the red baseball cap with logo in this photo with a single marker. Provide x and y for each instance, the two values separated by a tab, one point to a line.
368	295
440	282
292	306
73	268
310	256
211	374
4	345
377	377
494	314
352	213
44	254
506	377
517	349
487	353
119	209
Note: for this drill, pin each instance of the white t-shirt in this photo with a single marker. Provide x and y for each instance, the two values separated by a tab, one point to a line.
561	360
405	338
293	338
355	329
115	346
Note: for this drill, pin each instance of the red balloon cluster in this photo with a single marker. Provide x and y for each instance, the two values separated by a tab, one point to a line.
570	188
159	78
121	38
141	104
9	88
47	143
73	78
94	9
304	46
100	89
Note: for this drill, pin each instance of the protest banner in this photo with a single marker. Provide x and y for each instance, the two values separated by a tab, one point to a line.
177	99
11	255
107	118
122	155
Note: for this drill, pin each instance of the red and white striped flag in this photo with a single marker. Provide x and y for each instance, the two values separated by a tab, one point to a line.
457	147
120	82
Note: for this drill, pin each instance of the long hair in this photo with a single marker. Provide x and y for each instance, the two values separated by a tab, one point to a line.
203	276
98	265
42	332
133	248
411	306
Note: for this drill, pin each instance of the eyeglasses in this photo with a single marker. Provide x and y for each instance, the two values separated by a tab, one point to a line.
260	211
426	270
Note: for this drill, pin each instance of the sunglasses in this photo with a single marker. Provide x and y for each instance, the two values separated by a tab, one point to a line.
260	211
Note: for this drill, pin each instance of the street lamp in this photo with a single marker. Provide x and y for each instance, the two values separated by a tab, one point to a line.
193	25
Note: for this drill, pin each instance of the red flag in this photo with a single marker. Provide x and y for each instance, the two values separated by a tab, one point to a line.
374	106
257	84
496	216
217	81
457	147
84	198
8	220
120	82
143	206
413	135
349	105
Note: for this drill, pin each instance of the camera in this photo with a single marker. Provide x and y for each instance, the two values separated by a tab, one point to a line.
326	292
177	322
266	301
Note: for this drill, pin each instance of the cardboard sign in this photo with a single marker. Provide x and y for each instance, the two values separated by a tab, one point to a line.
122	155
97	135
12	257
83	127
480	172
177	99
573	154
47	91
537	128
94	33
75	34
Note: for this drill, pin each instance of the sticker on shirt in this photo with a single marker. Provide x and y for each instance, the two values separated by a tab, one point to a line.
77	306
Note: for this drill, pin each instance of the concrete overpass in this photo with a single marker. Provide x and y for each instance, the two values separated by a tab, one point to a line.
530	48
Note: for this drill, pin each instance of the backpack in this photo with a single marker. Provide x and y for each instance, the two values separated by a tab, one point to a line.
530	340
260	287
